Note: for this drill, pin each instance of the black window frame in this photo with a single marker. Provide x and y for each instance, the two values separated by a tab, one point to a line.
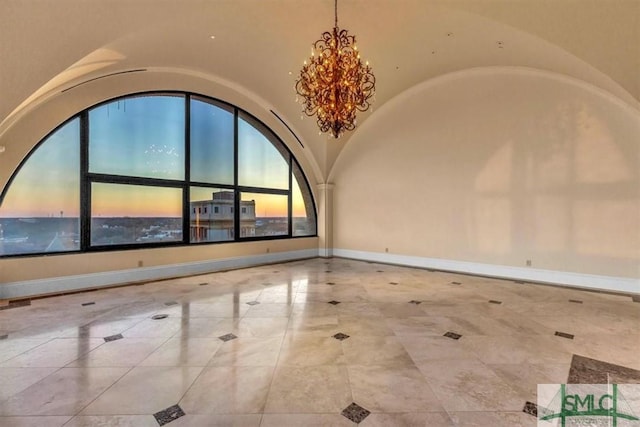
87	178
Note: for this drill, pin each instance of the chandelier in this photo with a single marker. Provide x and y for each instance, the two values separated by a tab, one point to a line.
334	83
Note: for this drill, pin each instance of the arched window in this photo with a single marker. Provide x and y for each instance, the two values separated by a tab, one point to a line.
154	170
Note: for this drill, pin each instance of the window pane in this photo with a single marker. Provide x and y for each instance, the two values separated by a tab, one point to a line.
134	214
40	210
261	159
211	213
263	215
138	136
303	212
211	143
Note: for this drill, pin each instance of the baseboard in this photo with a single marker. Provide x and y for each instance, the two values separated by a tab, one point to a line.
325	252
22	289
587	281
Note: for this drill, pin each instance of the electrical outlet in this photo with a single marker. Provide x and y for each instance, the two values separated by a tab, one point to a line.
528	263
140	263
268	250
386	249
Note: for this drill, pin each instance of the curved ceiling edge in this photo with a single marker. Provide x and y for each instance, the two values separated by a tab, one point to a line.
92	89
444	78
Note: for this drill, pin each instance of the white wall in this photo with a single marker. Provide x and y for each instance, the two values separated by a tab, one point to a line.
496	166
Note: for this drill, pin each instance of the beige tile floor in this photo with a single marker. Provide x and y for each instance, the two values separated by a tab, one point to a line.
285	368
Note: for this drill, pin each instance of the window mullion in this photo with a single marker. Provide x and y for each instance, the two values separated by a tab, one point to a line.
85	184
186	211
290	197
236	203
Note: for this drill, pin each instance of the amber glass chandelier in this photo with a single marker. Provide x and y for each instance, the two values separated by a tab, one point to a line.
334	83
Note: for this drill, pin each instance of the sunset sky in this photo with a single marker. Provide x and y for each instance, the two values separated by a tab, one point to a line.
144	137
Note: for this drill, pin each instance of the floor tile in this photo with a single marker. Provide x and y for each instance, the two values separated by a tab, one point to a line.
14	380
358	309
206	327
136	309
248	352
113	338
435	348
548	349
524	378
392	389
235	309
400	310
150	328
169	415
315	309
65	392
503	349
463	385
100	329
423	325
314	297
270	310
309	389
307	420
218	420
282	298
340	336
112	421
363	326
183	351
355	413
10	348
227	337
55	353
310	350
436	419
229	390
319	325
617	349
261	327
484	419
584	370
469	325
374	350
123	352
130	395
51	421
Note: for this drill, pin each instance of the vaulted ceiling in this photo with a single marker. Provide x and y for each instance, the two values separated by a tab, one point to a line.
258	45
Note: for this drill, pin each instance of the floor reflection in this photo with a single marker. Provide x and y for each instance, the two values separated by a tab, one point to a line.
299	343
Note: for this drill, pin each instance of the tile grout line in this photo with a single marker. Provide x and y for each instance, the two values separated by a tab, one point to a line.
273	375
206	365
426	380
119	378
349	380
28	350
103	392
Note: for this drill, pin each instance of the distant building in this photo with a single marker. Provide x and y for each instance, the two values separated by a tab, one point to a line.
212	220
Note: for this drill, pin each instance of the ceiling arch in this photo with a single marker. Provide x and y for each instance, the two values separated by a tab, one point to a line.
259	45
